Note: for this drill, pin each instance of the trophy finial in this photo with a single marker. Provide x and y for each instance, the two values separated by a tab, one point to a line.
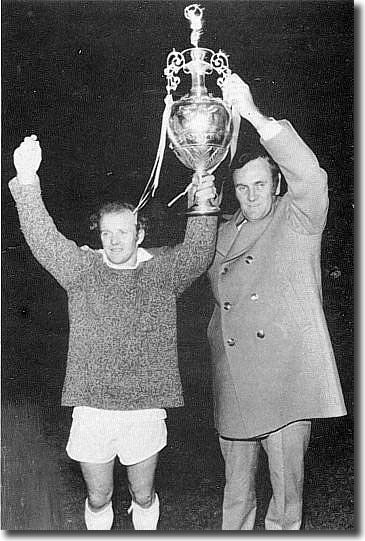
194	13
199	126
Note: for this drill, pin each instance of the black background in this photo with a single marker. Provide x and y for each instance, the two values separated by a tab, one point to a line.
87	78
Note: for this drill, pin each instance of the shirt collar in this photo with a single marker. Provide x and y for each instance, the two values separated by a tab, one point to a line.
142	255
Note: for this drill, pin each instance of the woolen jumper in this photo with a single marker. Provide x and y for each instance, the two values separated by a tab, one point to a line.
122	347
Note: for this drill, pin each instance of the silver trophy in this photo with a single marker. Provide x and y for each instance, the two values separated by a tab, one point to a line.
200	126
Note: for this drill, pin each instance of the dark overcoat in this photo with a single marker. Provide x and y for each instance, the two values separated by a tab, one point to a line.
272	357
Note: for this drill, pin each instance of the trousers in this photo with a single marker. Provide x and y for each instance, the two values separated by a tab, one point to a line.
285	449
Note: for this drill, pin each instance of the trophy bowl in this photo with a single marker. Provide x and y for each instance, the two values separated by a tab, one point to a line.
200	131
200	126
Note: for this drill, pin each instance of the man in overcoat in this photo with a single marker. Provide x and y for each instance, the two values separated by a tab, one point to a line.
273	364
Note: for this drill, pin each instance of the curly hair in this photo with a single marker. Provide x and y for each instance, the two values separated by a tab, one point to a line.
113	208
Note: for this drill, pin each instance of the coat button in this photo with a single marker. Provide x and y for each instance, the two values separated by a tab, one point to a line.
249	259
260	334
227	305
224	270
231	341
254	297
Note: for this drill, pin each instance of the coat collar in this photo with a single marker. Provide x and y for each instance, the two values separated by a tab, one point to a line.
233	242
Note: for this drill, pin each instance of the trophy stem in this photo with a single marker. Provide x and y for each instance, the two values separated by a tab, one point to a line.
208	208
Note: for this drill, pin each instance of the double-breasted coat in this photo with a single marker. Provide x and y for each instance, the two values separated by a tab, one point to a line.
272	357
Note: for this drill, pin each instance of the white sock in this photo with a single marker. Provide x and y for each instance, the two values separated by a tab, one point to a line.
145	519
101	520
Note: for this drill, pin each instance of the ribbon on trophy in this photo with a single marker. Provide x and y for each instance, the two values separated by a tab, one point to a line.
153	181
201	129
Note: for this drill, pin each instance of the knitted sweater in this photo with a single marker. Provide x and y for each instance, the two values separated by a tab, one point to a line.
122	346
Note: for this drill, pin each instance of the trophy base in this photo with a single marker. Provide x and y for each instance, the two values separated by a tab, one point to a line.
203	210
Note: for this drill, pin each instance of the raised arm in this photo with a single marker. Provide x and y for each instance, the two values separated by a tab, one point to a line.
187	261
307	181
58	255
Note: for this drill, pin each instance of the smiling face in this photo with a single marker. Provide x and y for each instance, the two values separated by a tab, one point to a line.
120	238
254	189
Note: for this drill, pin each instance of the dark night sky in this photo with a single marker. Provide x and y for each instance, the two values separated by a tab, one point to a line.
87	78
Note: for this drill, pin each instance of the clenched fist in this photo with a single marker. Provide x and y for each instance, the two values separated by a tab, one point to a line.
27	159
202	189
237	93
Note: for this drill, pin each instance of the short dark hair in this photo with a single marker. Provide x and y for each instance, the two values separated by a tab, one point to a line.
253	154
113	208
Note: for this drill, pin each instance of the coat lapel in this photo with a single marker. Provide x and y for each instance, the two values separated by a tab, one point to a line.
228	233
246	237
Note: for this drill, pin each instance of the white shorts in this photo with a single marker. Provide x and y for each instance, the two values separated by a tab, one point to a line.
97	436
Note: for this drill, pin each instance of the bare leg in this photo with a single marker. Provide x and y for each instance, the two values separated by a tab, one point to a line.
145	503
99	484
